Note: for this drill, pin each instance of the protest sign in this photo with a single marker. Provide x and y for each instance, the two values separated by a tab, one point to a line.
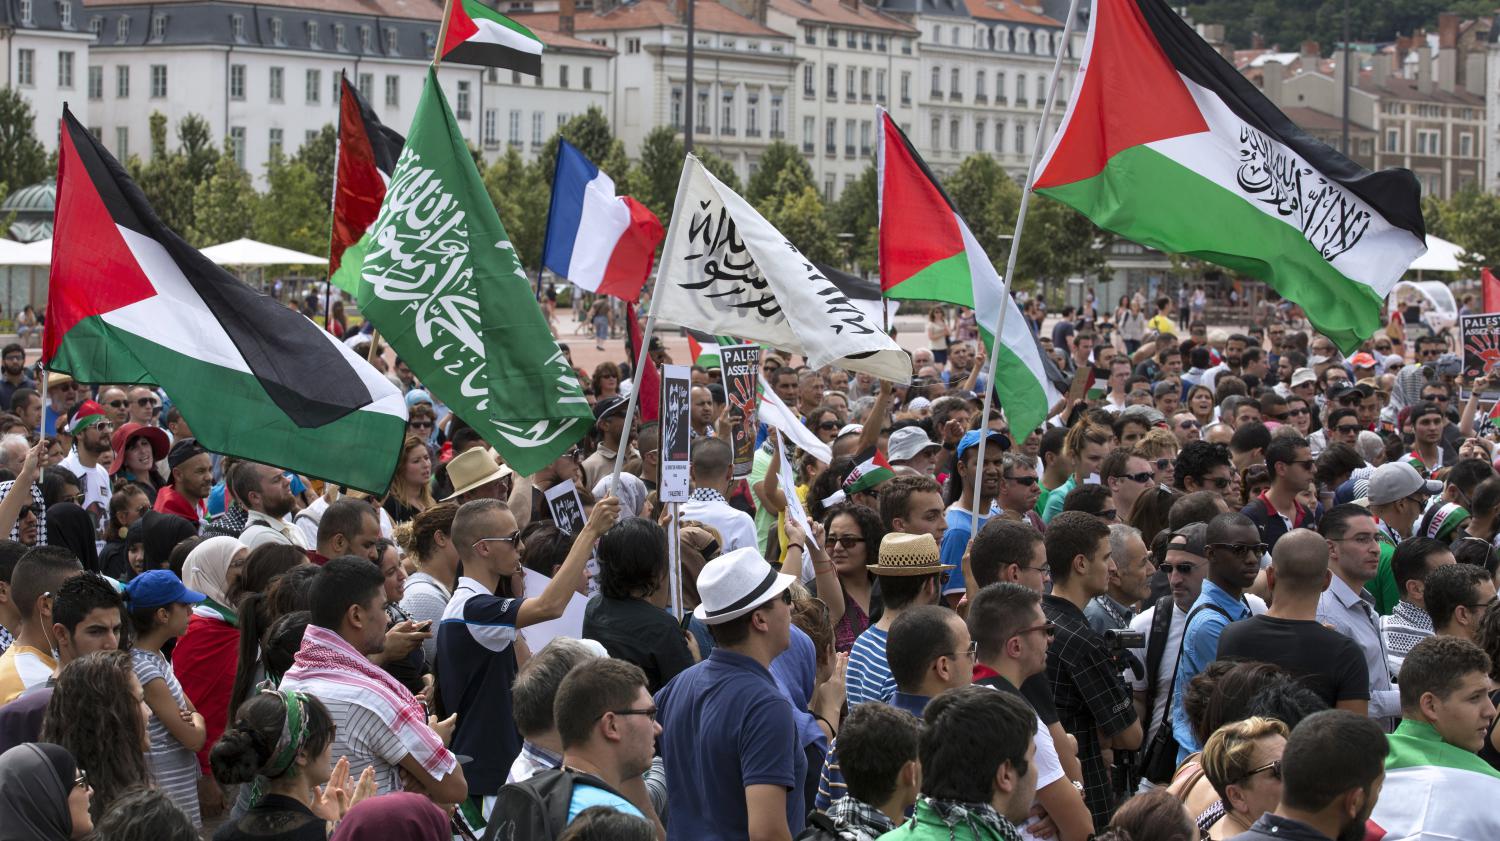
1481	343
566	507
740	364
675	431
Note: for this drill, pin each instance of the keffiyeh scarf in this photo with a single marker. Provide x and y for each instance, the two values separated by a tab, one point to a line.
980	818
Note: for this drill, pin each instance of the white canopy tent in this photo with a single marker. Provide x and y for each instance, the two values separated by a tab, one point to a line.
248	252
30	255
1441	256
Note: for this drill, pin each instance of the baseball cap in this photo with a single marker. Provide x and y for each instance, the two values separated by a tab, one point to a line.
159	588
1399	480
607	406
1449	365
1196	537
1303	376
971	439
1362	360
908	442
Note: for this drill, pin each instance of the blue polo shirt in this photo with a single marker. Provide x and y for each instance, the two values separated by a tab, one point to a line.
725	726
1200	646
955	542
476	665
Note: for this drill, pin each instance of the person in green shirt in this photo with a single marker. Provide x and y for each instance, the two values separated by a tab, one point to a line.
1085	448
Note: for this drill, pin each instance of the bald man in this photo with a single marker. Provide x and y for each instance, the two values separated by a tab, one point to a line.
1289	634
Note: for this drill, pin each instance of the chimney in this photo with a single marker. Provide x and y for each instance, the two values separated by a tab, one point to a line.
565	9
1257	41
1474	73
1310	55
1447	30
1424	68
1271	75
1381	67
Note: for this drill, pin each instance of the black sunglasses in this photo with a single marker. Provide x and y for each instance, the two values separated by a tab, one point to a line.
1023	481
848	541
1241	549
1139	478
1182	568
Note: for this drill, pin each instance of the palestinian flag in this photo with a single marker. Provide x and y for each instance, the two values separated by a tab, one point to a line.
871	471
649	398
704	347
130	302
477	34
363	162
1434	790
1165	143
928	254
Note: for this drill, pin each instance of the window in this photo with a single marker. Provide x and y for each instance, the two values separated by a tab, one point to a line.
979	128
491	128
65	14
1043	43
26	16
1429	142
849	84
953	135
277	37
541	76
1465	145
880	86
96	82
676	107
338	37
588	78
237	144
906	46
158	81
848	138
726	121
1020	138
830	134
122	82
866	41
809	35
515	77
462	105
65	70
366	39
632	46
937	81
536	128
562	75
809	129
366	85
700	110
880	44
809	86
833	81
1041	90
905	87
1023	44
865	127
314	87
936	136
752	115
828	189
158	27
96	26
314	38
980	88
953	84
1002	38
849	39
999	137
864	84
122	30
122	142
833	37
1021	90
276	84
776	129
237	28
1393	140
26	67
391	42
237	81
274	143
514	130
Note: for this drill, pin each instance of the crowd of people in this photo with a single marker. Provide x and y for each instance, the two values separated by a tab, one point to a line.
1239	585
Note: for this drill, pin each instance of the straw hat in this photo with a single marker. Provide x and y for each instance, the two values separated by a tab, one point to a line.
904	554
471	469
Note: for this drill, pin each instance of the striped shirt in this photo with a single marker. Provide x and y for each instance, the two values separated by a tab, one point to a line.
425	598
361	736
174	768
869	675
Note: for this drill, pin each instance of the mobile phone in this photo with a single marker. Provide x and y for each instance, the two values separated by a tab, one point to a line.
424	624
687	619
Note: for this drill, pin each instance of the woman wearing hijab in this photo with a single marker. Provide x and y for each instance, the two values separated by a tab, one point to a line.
139	452
160	534
403	814
71	527
43	797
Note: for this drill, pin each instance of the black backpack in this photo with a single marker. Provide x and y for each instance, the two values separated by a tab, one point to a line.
537	809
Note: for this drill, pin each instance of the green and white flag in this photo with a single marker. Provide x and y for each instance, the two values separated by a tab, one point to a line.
443	283
1435	791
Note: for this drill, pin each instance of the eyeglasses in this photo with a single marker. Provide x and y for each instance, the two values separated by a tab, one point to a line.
1164	463
1140	478
77	498
1347	429
1292	413
1023	481
32	509
1306	462
421	424
649	712
143	402
1279	418
1436	398
786	596
1184	568
514	539
848	541
1274	767
1241	549
1219	483
828	425
1047	627
1482	605
972	651
118	404
1188	424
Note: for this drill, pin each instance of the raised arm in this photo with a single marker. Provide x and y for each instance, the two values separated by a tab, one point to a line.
554	599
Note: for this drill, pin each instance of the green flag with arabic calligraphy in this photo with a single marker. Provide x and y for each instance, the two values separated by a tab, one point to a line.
443	283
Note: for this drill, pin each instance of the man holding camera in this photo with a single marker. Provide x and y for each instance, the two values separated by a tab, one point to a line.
1234	551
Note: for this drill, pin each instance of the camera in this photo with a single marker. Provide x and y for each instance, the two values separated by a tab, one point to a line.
1118	642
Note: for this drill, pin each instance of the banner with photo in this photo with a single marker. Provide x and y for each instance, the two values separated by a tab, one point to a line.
676	432
741	366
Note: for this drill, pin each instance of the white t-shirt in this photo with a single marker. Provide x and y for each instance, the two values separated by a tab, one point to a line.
1048	769
95	480
1168	665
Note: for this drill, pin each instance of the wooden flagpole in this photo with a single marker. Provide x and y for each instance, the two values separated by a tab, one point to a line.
1010	267
333	203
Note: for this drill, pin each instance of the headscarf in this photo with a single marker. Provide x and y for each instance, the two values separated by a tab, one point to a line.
72	528
162	532
207	567
402	814
631	491
35	781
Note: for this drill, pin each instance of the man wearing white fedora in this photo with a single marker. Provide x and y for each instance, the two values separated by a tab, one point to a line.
733	762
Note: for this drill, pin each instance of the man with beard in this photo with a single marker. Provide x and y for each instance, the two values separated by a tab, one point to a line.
1332	770
266	494
192	479
13	372
90	428
26	404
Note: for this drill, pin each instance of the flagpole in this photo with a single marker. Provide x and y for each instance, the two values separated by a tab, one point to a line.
437	50
1010	267
642	356
333	203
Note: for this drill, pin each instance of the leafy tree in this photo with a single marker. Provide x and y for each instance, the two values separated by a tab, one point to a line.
195	142
659	170
988	199
777	158
857	212
521	197
796	209
1472	220
590	132
291	213
317	155
1058	243
721	169
224	205
22	158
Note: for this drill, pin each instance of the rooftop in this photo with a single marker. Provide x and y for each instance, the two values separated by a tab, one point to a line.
1312	120
1009	11
708	16
836	13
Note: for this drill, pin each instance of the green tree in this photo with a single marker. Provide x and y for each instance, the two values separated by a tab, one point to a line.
521	197
777	158
195	142
22	158
590	132
317	154
660	168
857	212
1472	220
291	214
224	205
1058	243
796	209
721	169
988	199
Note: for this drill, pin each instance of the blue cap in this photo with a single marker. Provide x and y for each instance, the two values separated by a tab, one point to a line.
971	439
416	396
159	588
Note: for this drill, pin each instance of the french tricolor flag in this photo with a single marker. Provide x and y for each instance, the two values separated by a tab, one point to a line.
599	241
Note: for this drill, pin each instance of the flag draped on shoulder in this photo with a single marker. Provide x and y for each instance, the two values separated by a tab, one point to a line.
365	158
927	253
477	34
129	301
1434	790
727	271
1165	143
444	285
599	241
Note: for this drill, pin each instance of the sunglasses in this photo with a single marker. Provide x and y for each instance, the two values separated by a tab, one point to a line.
848	541
1293	413
1241	549
118	404
147	401
1274	767
1023	481
81	779
828	425
1220	483
1188	424
1436	398
421	424
1164	463
1048	627
514	539
1181	569
1346	429
1140	478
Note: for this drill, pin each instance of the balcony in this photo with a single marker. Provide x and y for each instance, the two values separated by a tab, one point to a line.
865	97
831	149
880	98
1021	103
936	94
864	151
727	131
1000	100
778	134
849	150
809	93
982	98
752	132
807	148
849	96
906	101
833	95
955	96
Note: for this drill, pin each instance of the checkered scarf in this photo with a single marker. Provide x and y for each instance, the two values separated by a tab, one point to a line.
858	821
981	819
